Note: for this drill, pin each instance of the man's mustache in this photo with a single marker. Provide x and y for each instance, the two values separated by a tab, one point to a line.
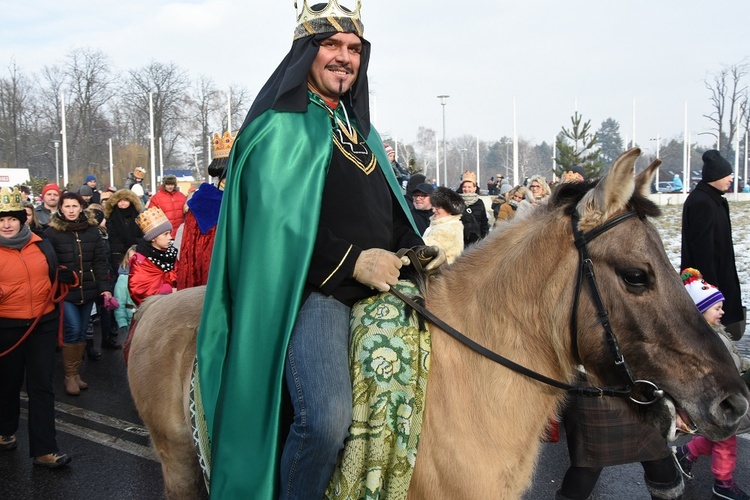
334	67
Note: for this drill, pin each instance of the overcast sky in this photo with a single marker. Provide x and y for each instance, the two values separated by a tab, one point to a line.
547	54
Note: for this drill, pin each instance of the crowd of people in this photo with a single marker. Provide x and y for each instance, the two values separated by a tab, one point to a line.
102	253
81	256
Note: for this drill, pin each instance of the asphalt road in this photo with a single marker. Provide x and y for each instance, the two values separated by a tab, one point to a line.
112	459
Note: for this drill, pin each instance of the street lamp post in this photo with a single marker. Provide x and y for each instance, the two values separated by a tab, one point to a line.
443	99
507	153
57	166
658	141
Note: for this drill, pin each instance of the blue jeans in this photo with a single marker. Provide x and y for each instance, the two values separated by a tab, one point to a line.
76	321
317	376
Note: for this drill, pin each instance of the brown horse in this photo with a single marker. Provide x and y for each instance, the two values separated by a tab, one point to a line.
514	293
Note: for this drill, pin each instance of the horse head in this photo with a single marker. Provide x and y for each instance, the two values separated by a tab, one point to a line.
662	336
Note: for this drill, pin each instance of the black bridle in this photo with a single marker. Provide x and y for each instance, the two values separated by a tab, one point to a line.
585	269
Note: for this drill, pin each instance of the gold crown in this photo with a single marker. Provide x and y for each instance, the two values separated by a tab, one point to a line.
222	145
333	17
10	201
139	172
150	219
469	176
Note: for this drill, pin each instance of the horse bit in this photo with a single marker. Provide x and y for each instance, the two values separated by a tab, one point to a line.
585	268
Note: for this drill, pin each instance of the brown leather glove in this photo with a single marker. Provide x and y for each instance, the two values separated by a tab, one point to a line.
377	268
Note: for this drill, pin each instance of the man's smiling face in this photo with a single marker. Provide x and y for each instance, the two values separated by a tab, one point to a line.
336	66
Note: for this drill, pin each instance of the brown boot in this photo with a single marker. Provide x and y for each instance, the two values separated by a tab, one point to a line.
81	349
71	361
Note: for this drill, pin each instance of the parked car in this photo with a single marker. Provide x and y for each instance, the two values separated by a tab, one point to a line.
665	187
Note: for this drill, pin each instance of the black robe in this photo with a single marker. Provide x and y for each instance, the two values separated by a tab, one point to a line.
707	245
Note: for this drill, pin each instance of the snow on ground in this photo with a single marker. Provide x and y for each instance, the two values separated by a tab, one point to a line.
670	228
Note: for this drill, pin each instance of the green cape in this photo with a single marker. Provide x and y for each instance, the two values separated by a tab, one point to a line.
264	242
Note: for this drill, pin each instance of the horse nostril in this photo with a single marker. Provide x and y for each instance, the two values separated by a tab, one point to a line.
733	408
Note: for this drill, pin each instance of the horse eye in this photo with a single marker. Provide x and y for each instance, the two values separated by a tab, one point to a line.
634	277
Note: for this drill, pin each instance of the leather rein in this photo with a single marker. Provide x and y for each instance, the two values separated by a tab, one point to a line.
585	270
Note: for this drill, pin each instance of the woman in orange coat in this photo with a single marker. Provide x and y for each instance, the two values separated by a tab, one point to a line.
27	272
152	268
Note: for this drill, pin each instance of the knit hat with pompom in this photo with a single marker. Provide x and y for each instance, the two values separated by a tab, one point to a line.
703	294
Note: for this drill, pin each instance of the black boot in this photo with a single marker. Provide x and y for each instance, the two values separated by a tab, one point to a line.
109	337
111	342
91	351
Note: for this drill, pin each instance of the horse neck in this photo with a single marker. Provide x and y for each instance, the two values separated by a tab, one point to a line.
513	293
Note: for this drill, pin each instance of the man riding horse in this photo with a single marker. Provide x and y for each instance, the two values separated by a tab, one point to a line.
286	270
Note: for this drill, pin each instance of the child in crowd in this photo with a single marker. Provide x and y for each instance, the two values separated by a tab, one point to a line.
152	268
446	230
710	300
126	308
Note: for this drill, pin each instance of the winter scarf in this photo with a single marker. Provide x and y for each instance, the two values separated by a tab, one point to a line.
163	259
18	241
469	198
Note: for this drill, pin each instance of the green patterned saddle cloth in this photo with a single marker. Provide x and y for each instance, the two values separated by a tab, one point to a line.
389	359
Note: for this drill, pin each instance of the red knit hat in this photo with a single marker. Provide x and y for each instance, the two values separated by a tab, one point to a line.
51	187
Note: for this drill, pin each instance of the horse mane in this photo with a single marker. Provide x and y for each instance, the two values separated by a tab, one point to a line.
568	194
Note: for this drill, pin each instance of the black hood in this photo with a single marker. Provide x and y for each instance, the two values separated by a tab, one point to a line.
286	90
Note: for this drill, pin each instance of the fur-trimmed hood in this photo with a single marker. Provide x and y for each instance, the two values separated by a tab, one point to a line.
122	194
57	223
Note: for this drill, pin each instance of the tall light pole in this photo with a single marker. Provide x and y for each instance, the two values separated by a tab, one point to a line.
111	164
152	139
443	99
507	153
463	150
57	165
658	141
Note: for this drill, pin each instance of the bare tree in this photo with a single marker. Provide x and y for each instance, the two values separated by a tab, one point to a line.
240	100
90	89
169	87
204	113
728	91
14	96
425	149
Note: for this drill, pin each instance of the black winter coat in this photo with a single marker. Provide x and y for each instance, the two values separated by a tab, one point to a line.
82	251
476	223
707	245
122	228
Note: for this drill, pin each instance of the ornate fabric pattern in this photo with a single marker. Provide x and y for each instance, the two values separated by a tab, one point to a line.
389	360
200	430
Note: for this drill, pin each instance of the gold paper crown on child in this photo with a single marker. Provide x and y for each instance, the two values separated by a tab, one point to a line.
10	201
150	219
469	176
332	18
222	145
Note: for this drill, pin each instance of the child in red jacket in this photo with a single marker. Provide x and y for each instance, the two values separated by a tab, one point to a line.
152	268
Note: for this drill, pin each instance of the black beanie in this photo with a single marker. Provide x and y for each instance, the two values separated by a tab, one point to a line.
715	166
18	214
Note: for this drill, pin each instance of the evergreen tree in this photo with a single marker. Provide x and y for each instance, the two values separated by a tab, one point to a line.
610	141
578	146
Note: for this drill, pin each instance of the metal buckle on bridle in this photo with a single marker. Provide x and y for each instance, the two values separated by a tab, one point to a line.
656	393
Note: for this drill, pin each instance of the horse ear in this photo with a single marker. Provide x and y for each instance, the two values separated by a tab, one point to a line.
643	180
611	194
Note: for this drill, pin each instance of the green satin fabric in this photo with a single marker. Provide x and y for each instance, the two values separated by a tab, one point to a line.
264	242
